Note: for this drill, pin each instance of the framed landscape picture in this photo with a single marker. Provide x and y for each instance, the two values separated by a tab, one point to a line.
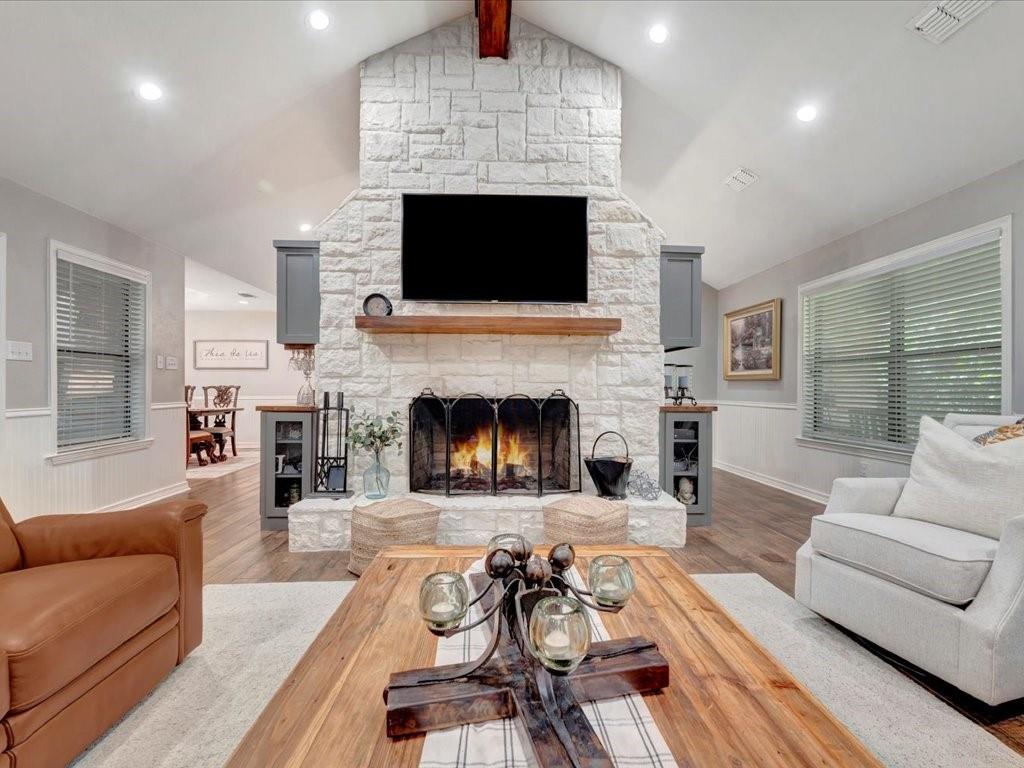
227	355
751	342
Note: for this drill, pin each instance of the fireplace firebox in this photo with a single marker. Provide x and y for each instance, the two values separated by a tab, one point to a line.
473	444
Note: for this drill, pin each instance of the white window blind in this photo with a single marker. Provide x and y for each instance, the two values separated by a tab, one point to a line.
100	335
922	339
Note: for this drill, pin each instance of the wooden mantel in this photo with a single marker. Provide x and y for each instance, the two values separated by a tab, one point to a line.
491	324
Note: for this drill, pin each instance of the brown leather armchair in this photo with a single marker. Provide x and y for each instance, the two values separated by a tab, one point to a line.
95	610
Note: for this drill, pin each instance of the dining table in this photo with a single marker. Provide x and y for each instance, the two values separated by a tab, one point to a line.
198	417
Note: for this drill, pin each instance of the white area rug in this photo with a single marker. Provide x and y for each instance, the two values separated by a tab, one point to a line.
221	468
899	721
253	636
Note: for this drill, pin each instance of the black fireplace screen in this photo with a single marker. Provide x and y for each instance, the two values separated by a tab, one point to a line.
473	444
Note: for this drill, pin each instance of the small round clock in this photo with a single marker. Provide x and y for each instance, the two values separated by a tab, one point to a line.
376	305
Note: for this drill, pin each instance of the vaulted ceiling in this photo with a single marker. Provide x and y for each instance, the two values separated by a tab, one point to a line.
258	128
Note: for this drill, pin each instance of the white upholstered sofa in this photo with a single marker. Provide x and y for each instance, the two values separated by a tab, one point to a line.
949	600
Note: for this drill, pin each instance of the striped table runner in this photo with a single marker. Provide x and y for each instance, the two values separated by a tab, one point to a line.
623	724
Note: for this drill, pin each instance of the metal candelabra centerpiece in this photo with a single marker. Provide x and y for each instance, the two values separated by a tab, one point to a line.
541	661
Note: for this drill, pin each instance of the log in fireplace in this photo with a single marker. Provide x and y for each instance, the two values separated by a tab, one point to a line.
472	444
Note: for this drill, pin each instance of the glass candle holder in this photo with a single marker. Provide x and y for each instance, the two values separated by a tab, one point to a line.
611	580
444	599
520	548
559	633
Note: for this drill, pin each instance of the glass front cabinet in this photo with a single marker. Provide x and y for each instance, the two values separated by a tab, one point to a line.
286	457
686	462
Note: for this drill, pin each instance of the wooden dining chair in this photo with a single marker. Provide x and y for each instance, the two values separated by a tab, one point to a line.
196	440
222	396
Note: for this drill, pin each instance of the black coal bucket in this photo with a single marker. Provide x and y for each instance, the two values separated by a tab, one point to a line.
609	473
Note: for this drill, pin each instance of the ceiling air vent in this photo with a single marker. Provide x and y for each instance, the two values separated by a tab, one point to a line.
940	20
741	178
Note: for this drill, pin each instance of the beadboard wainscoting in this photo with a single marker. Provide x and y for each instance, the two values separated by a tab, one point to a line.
757	440
32	485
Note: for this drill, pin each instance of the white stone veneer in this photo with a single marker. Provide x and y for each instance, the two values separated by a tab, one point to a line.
435	118
316	524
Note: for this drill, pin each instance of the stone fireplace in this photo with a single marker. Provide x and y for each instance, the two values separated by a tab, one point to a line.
435	118
514	445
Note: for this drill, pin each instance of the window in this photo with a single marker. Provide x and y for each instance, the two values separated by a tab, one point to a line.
100	334
923	332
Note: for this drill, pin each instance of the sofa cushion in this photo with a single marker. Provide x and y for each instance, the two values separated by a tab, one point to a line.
59	620
956	483
944	563
10	552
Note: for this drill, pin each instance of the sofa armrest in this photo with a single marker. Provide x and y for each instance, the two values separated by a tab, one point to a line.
5	684
171	528
992	638
866	495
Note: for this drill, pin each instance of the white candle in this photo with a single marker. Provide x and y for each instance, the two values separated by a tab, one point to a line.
442	610
557	643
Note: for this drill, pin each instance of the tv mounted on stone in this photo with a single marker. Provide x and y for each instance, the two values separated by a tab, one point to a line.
494	248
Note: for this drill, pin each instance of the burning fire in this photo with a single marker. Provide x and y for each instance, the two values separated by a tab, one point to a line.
473	455
511	453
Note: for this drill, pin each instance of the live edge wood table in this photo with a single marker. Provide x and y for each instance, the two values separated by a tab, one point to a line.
728	703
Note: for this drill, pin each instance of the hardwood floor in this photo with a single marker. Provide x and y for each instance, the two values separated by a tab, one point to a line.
755	529
237	551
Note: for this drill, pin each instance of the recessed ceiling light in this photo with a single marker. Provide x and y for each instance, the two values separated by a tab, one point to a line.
305	227
807	113
242	301
150	92
318	20
658	33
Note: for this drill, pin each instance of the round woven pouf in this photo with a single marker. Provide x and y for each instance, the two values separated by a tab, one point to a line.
586	520
387	523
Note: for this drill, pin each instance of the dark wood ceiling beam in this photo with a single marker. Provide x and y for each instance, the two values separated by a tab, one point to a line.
495	19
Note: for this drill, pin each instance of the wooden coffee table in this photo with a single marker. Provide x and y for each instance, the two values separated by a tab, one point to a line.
729	702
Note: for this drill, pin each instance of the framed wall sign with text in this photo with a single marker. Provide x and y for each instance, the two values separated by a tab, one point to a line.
229	355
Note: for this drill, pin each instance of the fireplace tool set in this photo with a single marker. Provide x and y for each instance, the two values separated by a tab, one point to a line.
540	661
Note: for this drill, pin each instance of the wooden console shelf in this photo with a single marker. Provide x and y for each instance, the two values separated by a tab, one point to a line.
491	324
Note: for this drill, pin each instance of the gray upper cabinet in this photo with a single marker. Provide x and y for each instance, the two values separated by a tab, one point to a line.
298	291
680	296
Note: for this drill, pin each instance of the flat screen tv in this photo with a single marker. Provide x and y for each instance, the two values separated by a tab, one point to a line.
494	248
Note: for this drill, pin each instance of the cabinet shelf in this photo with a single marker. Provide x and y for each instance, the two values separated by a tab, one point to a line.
280	441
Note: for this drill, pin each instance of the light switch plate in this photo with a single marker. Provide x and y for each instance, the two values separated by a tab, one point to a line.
20	351
159	362
172	363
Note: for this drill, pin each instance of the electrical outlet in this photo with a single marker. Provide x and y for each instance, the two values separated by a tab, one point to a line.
159	362
172	363
20	351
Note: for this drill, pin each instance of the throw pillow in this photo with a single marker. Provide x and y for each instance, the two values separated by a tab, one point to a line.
1001	434
955	483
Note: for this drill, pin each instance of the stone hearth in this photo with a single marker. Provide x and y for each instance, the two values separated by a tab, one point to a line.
317	524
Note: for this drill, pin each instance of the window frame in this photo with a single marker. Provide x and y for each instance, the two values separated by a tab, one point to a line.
917	254
95	261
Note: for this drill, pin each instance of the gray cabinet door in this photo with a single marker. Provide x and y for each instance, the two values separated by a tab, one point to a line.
686	456
298	291
289	435
680	296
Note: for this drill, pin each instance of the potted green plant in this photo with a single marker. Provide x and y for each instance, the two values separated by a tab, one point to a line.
375	433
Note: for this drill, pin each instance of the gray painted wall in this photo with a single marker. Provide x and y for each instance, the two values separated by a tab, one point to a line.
30	220
988	198
705	357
